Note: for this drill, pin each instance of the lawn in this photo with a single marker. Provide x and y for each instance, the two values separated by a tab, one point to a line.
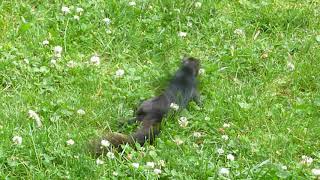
70	71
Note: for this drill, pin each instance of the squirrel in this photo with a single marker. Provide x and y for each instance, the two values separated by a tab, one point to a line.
181	89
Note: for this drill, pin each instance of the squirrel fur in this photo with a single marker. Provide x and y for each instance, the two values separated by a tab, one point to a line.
181	89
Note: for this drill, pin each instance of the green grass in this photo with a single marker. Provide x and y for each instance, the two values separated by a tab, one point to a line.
274	112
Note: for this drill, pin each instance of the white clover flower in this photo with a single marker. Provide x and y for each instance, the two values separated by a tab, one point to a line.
107	21
157	171
244	105
306	160
108	31
119	72
284	167
290	66
316	172
177	10
182	34
174	106
76	17
105	143
26	60
71	64
99	162
79	10
132	3
225	137
318	38
115	173
224	171
239	32
17	140
95	60
53	61
33	115
230	157
198	4
110	155
220	151
81	112
150	164
57	49
65	9
201	71
178	141
70	142
226	125
161	163
135	165
197	134
45	42
264	55
183	122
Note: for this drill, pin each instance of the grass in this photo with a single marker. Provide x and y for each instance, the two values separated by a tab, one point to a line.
261	62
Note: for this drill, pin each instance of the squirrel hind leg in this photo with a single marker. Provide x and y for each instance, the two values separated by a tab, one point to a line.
115	139
147	133
118	139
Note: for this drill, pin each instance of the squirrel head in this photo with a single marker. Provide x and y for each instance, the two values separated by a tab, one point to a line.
191	63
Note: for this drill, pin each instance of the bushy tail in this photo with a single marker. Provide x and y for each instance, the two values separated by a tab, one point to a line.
147	132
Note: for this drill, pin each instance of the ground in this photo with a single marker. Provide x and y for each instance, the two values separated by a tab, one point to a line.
70	71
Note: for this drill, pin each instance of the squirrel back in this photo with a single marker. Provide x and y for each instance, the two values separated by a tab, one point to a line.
182	88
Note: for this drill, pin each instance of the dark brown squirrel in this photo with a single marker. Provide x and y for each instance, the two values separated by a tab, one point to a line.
181	89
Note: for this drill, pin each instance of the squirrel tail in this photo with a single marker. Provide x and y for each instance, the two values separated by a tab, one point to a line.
147	132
